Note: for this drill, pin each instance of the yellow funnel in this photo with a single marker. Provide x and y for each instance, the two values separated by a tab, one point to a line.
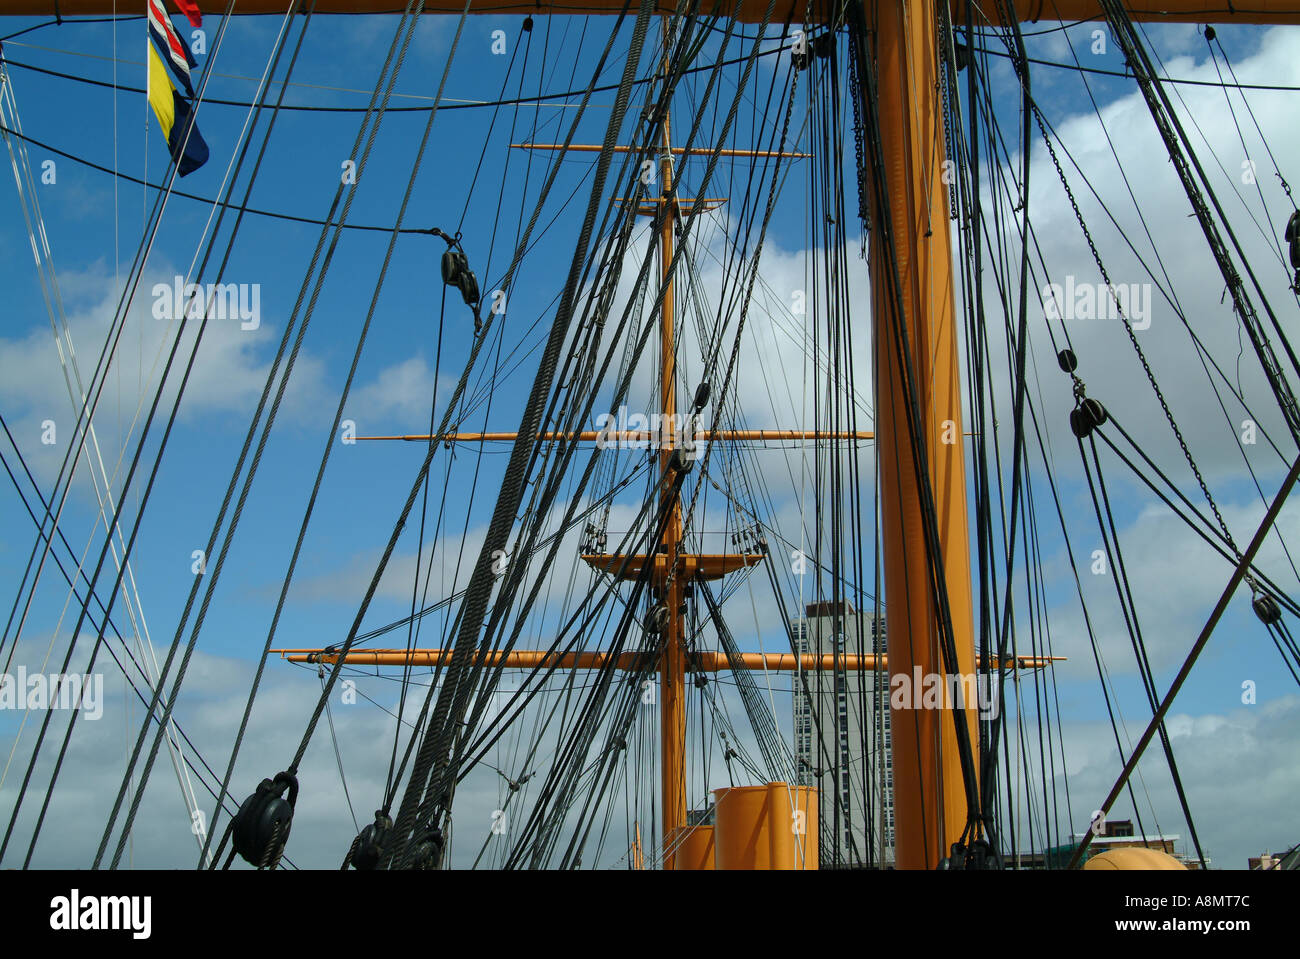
766	827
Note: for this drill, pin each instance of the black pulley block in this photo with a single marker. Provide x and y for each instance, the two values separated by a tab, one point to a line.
261	827
453	264
426	853
1266	609
1086	417
371	842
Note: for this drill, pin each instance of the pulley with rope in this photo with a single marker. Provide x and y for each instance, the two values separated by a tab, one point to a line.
260	829
1088	414
456	272
368	848
1292	237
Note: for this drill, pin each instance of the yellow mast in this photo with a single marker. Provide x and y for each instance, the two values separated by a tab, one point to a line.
673	569
672	686
929	805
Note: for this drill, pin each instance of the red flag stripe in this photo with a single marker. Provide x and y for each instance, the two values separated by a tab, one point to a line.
191	11
159	18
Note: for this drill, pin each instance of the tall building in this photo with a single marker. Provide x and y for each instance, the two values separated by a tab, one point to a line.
842	738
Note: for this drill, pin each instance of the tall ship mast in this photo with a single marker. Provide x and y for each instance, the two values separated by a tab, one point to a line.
609	462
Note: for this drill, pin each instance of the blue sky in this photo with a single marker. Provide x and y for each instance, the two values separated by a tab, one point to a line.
94	228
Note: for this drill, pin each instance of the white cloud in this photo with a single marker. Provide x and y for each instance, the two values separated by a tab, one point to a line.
1237	768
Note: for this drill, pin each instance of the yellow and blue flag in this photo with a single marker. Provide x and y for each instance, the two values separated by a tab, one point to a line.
184	141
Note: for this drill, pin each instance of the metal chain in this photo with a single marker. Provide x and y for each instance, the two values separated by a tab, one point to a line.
945	105
864	205
1128	328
